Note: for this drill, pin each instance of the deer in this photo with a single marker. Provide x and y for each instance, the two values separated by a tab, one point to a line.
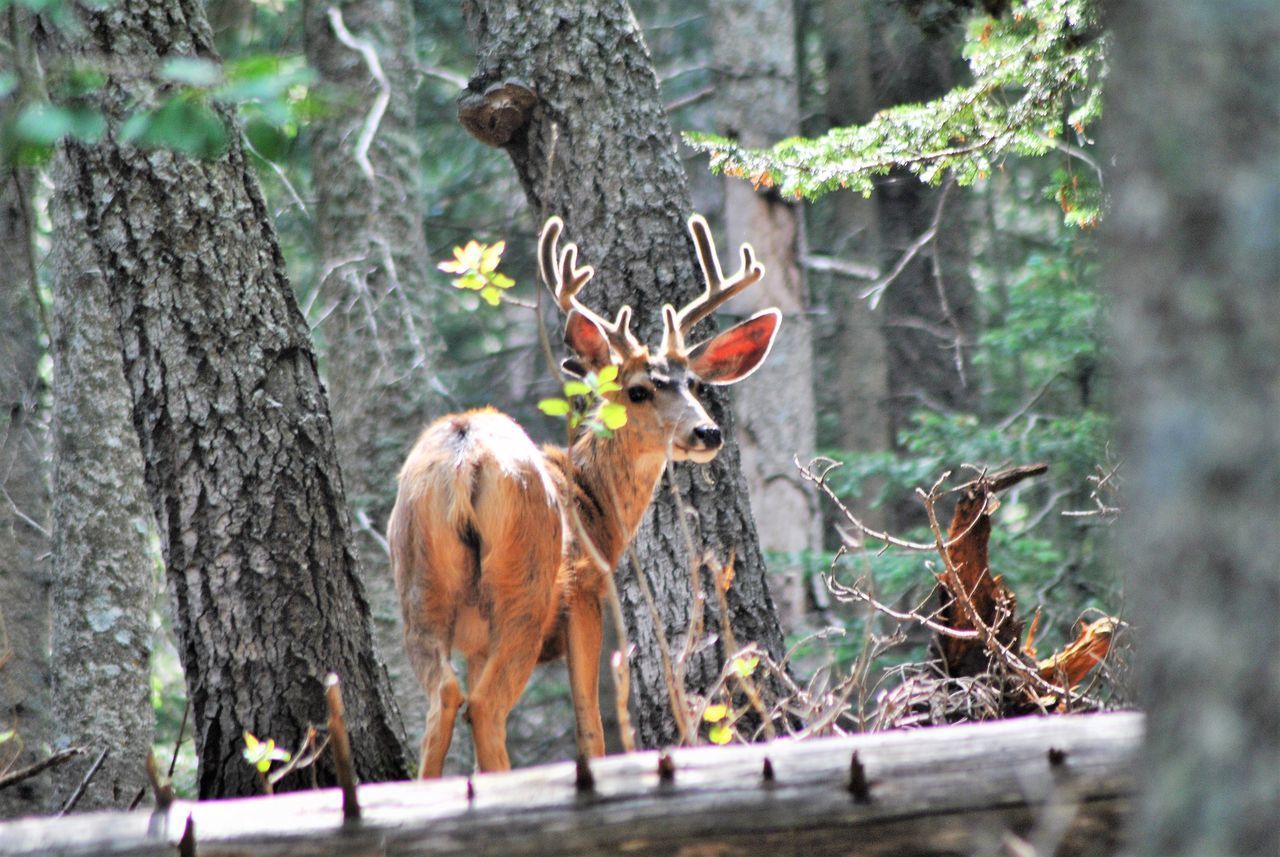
488	532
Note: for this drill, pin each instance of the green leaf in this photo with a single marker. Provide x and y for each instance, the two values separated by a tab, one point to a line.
267	139
501	280
470	280
554	407
613	415
490	257
577	388
184	124
192	71
721	733
746	666
607	373
715	713
492	296
45	124
608	387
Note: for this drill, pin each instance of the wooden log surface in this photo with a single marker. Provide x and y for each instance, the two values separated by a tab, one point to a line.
1061	782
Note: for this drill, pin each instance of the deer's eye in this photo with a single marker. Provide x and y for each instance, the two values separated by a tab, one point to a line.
639	393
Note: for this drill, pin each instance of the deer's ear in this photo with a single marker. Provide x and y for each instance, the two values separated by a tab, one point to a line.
738	351
587	340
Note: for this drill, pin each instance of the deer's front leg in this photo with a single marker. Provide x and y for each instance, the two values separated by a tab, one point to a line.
584	634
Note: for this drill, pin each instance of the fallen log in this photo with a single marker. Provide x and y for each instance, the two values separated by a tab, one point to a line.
1060	783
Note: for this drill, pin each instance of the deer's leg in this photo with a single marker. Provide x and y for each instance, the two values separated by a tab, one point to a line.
430	659
513	653
585	631
518	576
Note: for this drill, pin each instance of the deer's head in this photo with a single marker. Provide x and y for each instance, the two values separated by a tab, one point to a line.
660	386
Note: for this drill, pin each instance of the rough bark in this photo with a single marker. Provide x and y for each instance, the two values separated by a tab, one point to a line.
758	103
1049	785
24	506
930	309
102	571
598	150
1193	266
858	366
234	427
377	343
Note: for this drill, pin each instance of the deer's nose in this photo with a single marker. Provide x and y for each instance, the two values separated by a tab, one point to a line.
709	436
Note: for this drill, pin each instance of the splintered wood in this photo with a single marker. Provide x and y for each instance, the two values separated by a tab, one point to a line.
974	599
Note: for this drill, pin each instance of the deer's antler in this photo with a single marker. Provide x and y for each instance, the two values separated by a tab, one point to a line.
678	324
565	279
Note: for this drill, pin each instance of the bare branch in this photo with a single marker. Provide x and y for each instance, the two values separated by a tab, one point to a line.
365	48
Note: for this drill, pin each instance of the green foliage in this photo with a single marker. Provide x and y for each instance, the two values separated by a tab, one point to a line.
584	403
180	105
1037	74
1038	361
477	265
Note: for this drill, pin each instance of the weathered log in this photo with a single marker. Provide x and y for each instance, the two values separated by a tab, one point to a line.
1062	783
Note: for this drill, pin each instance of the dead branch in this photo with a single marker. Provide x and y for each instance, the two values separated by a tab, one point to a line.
366	50
14	777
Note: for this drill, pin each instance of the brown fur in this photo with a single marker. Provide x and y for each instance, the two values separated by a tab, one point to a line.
486	555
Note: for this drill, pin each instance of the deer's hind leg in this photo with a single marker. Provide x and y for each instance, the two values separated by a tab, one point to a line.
430	659
519	566
431	592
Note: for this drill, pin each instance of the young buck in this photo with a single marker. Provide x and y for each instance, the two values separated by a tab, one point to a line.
487	531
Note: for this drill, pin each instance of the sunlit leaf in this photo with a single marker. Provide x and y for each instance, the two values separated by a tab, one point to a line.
715	713
721	733
490	256
491	296
554	407
607	373
613	415
746	666
576	388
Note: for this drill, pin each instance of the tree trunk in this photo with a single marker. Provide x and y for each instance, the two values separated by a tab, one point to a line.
857	366
1034	785
234	428
758	103
24	510
930	308
378	341
102	572
598	150
1193	268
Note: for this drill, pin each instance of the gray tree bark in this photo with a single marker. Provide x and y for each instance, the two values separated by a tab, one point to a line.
758	103
24	507
929	312
599	151
1193	267
234	427
378	342
858	367
102	572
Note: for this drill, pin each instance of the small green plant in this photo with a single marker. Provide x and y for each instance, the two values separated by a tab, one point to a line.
261	754
477	267
721	729
584	403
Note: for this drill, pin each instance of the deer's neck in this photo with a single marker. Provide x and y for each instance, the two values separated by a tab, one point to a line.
612	485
